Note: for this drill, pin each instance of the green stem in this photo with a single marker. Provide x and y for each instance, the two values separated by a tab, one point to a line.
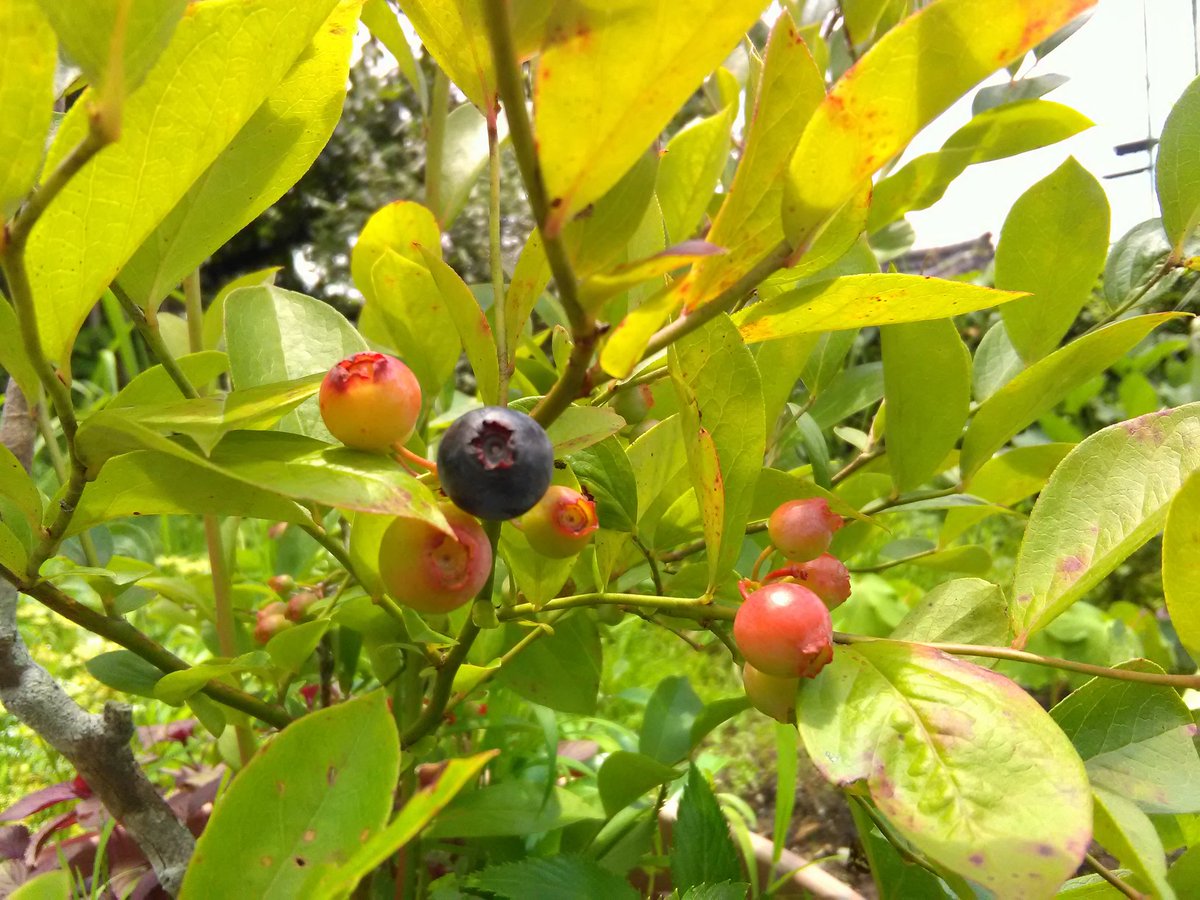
891	563
435	144
1112	878
701	609
494	247
652	562
46	427
1136	297
1024	656
151	334
903	500
194	304
123	634
569	385
512	653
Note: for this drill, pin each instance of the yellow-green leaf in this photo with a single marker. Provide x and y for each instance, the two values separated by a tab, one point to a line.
471	324
855	301
915	71
1038	389
385	26
724	432
1178	180
1180	561
748	223
1053	246
268	156
222	63
27	61
610	77
453	32
89	35
593	291
993	134
927	388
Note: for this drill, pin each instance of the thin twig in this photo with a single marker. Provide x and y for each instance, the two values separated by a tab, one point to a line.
655	575
497	263
1112	878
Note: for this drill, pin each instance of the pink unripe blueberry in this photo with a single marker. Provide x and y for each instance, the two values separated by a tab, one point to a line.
825	576
297	607
370	401
803	529
775	697
430	571
561	523
784	630
270	620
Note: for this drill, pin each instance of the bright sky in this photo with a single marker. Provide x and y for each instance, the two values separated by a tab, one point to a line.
1107	62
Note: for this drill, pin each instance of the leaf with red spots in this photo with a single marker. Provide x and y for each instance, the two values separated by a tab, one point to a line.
1108	497
724	433
855	301
962	763
610	77
312	796
911	75
1180	559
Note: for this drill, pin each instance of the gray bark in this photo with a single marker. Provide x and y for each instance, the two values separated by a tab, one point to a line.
98	746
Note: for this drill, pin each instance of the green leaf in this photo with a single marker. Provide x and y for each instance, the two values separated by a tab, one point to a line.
963	764
337	879
601	239
312	796
155	386
472	326
1038	389
604	471
724	432
292	647
13	555
702	850
537	576
927	388
726	890
1004	480
54	885
1176	178
385	26
912	74
962	611
1017	89
274	335
1128	834
848	392
27	61
222	63
1133	261
511	808
209	713
214	315
626	776
148	483
18	488
597	288
464	158
580	427
125	671
855	301
694	162
1053	246
1135	740
271	152
304	469
1180	554
559	670
1108	497
454	33
206	420
631	74
558	876
88	33
176	687
13	358
666	733
994	134
996	362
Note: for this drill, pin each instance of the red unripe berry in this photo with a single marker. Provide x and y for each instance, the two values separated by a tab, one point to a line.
633	403
281	584
561	523
430	571
802	529
825	576
784	630
370	401
775	697
270	625
297	607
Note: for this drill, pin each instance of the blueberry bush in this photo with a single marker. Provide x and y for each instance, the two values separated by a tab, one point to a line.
702	406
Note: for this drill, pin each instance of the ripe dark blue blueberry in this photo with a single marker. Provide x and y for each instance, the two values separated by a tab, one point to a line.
495	463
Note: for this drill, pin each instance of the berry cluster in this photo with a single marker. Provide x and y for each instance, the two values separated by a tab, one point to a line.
783	628
493	463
